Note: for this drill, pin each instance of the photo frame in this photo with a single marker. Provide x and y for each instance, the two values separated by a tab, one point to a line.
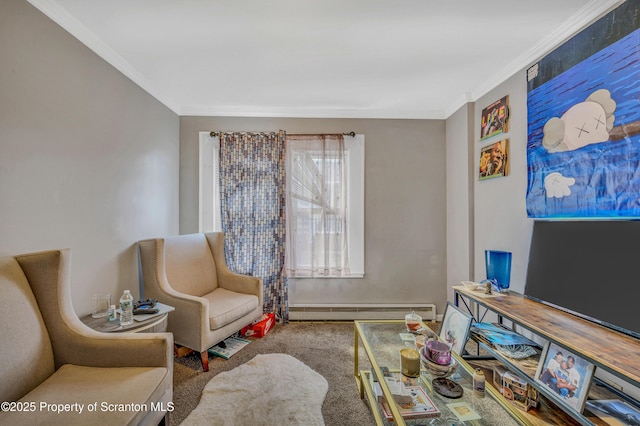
494	160
566	375
495	118
455	327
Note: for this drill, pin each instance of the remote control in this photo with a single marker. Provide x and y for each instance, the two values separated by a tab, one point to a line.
145	311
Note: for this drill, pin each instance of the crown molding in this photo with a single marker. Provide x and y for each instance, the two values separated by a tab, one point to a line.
60	16
586	16
302	112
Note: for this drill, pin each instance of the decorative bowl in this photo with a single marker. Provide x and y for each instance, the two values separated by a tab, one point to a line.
438	352
470	285
437	370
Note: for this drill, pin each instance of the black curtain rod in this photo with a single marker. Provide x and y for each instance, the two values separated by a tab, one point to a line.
214	134
352	134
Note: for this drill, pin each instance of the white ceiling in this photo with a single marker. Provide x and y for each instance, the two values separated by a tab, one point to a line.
321	58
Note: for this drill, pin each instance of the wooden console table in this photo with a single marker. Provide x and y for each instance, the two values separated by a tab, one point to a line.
612	351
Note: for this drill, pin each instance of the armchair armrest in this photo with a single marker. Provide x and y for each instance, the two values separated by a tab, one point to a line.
84	346
75	343
240	283
190	317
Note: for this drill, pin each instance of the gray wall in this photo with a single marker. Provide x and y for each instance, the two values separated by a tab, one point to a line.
460	196
404	205
488	214
88	160
500	214
497	209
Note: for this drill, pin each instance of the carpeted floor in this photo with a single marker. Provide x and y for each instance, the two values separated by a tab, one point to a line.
326	347
287	392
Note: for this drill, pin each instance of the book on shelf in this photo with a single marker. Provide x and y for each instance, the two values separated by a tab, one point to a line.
420	406
228	347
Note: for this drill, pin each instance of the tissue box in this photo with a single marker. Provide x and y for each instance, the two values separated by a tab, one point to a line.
259	327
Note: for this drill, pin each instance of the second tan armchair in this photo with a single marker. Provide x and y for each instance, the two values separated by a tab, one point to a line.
190	273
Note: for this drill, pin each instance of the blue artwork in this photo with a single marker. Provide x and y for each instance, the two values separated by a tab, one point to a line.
583	150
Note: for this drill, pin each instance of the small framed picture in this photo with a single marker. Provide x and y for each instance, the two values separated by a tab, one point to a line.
495	118
455	327
567	375
494	160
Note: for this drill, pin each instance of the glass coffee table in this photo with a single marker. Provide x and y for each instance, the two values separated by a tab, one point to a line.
382	341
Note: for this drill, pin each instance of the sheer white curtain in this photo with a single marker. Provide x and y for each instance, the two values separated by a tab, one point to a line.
316	206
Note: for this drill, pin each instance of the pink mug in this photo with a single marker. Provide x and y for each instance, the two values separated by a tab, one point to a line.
439	352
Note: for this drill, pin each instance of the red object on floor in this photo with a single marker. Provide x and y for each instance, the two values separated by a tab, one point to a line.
259	327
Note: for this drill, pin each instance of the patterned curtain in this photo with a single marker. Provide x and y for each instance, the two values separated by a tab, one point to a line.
252	181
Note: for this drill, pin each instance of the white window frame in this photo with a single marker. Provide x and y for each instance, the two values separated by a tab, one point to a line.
209	188
355	203
209	195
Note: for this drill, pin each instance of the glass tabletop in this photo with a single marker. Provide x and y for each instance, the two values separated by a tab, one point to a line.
383	340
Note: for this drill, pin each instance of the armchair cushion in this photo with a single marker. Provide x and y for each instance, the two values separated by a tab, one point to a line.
109	387
227	306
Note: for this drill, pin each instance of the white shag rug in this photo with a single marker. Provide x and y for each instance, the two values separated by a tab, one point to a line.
271	389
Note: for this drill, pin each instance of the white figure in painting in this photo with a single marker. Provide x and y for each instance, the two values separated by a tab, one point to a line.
583	124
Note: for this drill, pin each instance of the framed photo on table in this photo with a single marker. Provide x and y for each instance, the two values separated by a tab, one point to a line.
455	327
567	375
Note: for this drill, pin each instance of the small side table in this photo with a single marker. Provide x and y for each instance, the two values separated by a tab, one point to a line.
147	323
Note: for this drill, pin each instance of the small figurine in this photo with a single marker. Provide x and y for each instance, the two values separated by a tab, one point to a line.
488	290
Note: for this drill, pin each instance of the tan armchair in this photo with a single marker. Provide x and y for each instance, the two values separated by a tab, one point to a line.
50	358
190	273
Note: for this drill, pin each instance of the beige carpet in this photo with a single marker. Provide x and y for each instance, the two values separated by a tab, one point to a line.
270	389
327	348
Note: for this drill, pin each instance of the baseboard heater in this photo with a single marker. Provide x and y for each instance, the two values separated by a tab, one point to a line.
316	312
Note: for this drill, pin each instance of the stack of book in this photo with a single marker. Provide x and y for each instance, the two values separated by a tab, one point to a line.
413	402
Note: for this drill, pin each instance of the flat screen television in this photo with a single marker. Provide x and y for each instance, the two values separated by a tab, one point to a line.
588	268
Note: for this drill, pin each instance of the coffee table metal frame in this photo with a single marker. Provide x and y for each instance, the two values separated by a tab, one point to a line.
361	376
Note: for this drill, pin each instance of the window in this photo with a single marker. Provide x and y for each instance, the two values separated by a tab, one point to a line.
314	217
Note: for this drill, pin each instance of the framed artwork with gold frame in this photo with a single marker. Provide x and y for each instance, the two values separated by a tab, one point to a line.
494	160
495	118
